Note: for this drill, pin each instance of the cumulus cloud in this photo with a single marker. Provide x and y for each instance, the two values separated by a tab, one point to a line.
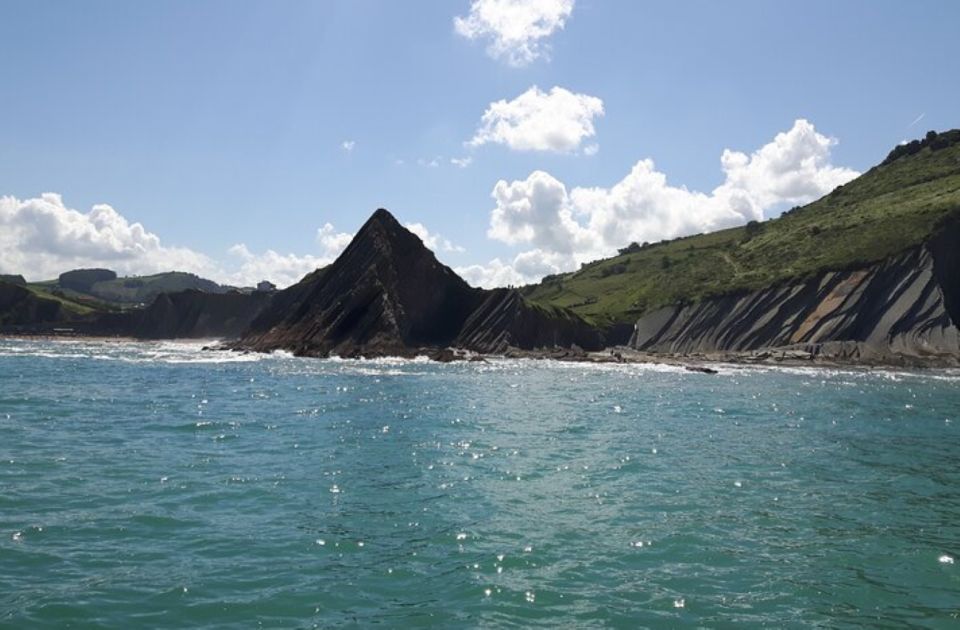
434	242
463	162
516	28
524	268
42	237
558	120
331	242
347	145
285	269
496	273
281	269
566	227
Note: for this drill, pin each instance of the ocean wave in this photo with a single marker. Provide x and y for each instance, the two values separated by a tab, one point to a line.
174	352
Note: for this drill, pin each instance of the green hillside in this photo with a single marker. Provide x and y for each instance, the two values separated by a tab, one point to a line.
143	289
71	307
129	291
892	207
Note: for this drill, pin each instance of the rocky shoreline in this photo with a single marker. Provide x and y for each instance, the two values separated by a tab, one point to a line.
388	296
623	355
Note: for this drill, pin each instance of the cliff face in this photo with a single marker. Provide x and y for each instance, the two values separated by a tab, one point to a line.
505	320
197	315
183	315
906	307
20	307
388	295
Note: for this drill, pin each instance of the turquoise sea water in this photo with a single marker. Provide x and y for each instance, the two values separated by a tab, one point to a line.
155	485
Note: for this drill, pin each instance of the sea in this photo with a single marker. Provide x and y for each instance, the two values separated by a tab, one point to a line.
158	485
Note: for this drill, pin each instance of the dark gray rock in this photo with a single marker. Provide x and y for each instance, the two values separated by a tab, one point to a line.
387	294
905	306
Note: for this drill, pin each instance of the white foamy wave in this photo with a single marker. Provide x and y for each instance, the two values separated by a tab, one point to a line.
179	351
853	373
495	364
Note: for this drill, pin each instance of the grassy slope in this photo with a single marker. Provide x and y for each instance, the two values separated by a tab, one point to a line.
126	292
145	288
70	306
891	208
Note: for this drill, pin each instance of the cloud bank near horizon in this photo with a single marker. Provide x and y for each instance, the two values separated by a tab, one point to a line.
555	226
41	238
564	227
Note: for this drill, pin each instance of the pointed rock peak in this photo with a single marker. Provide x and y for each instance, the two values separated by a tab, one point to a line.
381	218
382	214
383	233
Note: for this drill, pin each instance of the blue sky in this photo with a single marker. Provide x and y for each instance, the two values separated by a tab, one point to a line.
220	123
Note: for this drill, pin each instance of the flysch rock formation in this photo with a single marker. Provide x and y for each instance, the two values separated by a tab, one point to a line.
901	310
19	307
189	314
193	314
387	295
505	320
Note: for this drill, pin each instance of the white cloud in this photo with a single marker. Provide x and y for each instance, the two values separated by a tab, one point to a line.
558	120
347	145
515	28
41	238
281	269
569	227
286	269
526	267
536	210
434	242
591	150
463	162
331	241
496	273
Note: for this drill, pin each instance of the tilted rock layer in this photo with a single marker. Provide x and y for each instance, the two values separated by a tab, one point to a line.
907	306
388	295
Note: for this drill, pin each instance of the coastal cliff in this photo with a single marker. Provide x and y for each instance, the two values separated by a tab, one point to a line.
388	295
197	315
504	321
903	309
869	273
20	307
181	315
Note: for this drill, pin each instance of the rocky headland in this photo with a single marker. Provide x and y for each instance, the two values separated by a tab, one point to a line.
388	295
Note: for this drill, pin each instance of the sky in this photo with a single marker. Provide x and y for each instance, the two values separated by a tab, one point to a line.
246	140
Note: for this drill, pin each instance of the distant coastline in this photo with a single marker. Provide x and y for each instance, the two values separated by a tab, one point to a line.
868	275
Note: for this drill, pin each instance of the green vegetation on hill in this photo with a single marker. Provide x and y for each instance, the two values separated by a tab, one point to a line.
891	208
83	279
100	289
71	307
143	289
